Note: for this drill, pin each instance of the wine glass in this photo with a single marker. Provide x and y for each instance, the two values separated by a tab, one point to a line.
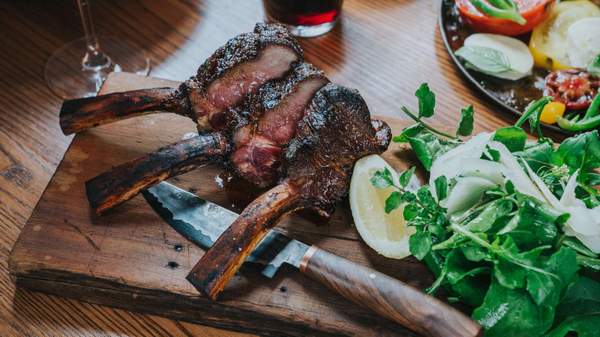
79	68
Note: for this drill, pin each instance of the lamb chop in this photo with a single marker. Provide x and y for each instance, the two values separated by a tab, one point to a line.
335	131
235	70
251	145
297	131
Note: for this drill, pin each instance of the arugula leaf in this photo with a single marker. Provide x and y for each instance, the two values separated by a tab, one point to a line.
426	100
536	224
576	245
393	201
512	312
537	156
420	244
382	178
474	253
579	310
441	187
512	136
583	326
594	66
485	220
589	263
546	289
465	124
405	177
579	152
459	267
428	147
582	297
408	132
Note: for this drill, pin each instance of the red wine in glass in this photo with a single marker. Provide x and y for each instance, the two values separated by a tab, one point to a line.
304	18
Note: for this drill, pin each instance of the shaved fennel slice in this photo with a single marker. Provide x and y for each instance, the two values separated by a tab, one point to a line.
568	198
515	173
470	167
543	188
584	223
473	148
466	193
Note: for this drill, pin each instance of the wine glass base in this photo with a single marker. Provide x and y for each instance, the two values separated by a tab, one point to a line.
68	78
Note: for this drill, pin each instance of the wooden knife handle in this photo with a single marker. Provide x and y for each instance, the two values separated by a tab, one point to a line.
387	296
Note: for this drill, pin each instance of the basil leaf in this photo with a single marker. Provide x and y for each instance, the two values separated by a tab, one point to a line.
426	100
594	66
484	59
465	125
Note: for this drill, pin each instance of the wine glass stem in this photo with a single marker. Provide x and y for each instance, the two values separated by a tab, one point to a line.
94	59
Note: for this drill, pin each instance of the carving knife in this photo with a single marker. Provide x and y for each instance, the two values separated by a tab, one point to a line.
202	222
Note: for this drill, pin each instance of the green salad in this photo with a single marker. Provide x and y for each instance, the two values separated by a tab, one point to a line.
509	227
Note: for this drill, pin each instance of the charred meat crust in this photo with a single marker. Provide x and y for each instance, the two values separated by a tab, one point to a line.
336	131
242	48
257	157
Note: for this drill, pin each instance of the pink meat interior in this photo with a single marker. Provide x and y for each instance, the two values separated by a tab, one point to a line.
258	151
273	62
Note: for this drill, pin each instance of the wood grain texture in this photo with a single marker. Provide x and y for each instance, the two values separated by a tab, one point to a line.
387	296
385	48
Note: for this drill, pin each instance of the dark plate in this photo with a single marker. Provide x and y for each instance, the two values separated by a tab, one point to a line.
513	96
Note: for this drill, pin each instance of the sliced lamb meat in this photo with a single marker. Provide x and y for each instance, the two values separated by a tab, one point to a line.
235	70
335	131
258	140
274	113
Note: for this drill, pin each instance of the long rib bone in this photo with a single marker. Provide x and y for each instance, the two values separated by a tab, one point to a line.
241	237
127	180
235	70
335	132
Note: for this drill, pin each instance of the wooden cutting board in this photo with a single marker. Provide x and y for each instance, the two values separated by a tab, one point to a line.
129	258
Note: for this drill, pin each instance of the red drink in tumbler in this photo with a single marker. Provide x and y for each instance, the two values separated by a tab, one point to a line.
305	18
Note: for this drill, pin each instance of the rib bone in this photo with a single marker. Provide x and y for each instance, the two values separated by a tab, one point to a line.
126	181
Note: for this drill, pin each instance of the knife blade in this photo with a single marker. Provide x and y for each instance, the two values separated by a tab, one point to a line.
202	222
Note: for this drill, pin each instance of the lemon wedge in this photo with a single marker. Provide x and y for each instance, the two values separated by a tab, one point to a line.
386	233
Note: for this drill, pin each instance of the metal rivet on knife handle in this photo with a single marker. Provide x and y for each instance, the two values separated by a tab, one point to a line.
387	296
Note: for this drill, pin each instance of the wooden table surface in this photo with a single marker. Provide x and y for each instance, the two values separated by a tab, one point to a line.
385	48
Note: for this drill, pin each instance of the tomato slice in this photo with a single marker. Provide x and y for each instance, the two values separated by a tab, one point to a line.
534	11
574	87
